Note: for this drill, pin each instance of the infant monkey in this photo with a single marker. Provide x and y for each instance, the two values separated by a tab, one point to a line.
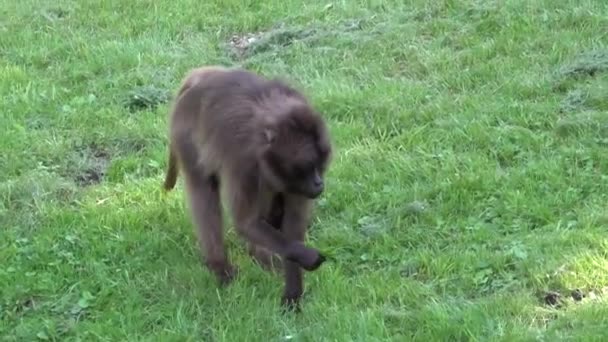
263	141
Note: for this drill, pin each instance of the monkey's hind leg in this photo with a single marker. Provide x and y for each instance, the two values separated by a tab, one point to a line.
204	196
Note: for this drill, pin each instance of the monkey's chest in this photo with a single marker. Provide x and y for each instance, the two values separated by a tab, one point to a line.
274	215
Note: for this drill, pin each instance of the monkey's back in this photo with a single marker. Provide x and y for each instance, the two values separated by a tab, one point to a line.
230	113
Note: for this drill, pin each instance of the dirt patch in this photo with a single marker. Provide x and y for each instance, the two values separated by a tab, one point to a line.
244	45
91	169
552	298
24	305
595	122
37	121
111	159
248	44
573	101
564	297
372	226
146	97
587	64
95	173
416	208
88	177
55	14
412	269
592	95
577	295
240	43
36	186
585	102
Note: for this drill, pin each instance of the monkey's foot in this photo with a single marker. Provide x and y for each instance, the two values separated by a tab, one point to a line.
225	273
290	302
227	276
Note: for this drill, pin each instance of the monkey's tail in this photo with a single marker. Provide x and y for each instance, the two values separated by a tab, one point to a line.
172	171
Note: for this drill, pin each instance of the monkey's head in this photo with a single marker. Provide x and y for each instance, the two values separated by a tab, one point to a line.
296	151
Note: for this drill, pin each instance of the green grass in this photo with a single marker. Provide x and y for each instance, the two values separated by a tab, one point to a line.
470	176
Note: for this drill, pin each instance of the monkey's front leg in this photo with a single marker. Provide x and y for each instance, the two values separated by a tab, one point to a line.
294	224
251	224
260	232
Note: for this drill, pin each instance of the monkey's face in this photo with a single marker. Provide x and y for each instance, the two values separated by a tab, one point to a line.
296	169
297	164
305	178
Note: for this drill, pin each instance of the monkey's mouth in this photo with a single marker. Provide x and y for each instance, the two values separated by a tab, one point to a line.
315	193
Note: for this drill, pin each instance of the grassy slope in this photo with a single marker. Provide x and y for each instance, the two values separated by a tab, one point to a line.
470	176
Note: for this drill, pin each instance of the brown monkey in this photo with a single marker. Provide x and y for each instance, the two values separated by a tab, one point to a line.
263	141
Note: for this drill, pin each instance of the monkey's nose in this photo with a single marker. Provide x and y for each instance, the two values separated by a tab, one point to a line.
317	190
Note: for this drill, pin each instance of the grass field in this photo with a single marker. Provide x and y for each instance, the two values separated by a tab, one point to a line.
466	200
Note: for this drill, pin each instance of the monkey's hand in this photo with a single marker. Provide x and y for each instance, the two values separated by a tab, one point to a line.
309	258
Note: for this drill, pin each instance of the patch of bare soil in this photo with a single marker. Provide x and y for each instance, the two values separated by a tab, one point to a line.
587	64
93	169
248	44
245	45
240	43
557	300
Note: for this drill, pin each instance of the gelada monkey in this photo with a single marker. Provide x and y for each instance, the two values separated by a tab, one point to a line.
262	141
